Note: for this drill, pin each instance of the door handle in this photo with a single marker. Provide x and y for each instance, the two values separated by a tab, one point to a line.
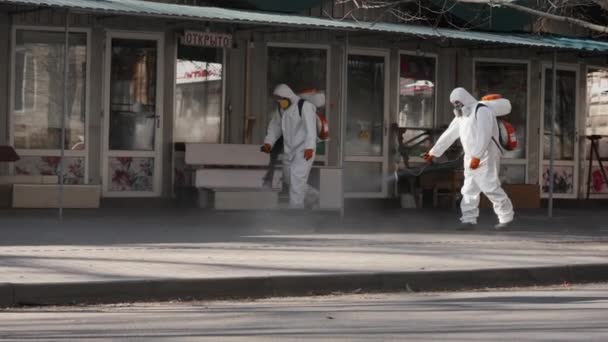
157	117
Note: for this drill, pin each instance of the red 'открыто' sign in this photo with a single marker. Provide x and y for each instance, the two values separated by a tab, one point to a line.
207	39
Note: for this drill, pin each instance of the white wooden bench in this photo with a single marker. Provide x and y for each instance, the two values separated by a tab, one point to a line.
231	176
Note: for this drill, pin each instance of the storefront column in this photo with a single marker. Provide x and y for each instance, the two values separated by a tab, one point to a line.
96	104
394	76
536	115
465	70
581	133
334	107
258	92
447	78
235	92
168	113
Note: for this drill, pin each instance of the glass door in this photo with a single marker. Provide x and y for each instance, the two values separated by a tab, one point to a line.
366	143
133	115
565	125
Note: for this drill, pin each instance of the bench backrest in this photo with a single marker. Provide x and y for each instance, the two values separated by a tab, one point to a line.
225	154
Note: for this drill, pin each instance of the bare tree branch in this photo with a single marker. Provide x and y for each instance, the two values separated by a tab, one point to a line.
602	3
510	4
557	10
374	4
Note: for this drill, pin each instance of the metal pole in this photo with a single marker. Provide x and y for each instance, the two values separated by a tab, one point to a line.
552	138
344	104
66	65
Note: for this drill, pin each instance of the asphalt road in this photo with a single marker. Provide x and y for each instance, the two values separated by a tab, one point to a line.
565	312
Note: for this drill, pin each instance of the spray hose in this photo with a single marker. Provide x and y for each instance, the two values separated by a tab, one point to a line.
429	167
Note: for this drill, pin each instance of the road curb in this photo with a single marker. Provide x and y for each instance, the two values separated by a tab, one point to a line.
13	294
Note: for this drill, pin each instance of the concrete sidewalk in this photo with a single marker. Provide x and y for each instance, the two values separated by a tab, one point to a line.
139	254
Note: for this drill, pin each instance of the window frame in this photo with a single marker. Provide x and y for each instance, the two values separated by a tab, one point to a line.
307	46
12	77
223	127
585	156
528	64
576	160
436	57
384	158
223	116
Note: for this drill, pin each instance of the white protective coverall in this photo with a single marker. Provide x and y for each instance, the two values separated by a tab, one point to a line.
299	134
476	132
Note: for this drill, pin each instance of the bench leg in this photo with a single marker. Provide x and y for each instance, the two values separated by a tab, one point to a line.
204	199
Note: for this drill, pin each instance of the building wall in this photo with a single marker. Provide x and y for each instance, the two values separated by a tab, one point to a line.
99	27
337	44
455	65
455	68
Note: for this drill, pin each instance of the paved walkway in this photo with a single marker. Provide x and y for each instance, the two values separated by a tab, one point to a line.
111	244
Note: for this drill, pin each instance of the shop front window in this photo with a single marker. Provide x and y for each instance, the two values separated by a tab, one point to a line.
597	108
303	70
365	118
511	82
417	92
198	95
597	124
133	95
38	84
564	123
38	100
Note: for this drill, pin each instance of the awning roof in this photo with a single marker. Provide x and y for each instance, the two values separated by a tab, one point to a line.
163	10
283	5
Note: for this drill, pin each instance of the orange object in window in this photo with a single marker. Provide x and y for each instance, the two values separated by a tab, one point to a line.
309	91
491	97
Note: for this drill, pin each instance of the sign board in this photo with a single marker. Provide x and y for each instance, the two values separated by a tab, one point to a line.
597	102
194	71
207	39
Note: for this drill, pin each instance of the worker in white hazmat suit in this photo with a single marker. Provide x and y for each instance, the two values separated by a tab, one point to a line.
299	131
477	129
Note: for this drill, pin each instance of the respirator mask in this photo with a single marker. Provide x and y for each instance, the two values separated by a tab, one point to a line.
284	103
458	109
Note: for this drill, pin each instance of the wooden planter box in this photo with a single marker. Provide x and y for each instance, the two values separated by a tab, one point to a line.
29	179
47	196
523	196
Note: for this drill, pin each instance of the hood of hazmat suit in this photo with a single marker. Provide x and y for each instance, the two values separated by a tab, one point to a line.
466	99
299	131
283	90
